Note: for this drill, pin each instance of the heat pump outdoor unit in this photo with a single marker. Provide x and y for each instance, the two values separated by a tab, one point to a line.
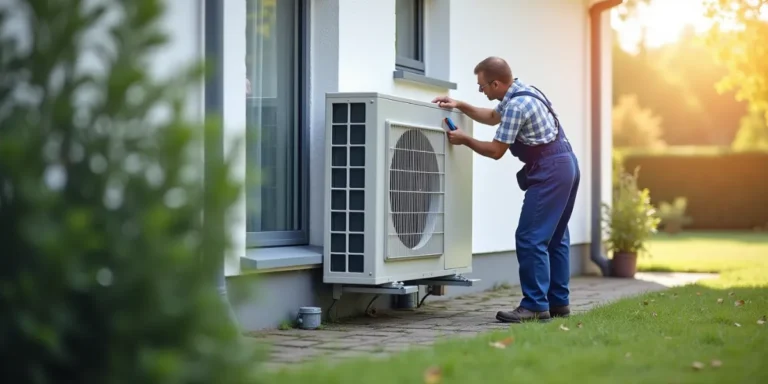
398	195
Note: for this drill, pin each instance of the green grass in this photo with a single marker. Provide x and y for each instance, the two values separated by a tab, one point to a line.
653	338
736	256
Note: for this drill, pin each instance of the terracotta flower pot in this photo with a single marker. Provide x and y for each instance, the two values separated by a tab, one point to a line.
624	264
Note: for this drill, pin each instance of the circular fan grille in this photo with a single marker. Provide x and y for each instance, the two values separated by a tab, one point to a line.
415	190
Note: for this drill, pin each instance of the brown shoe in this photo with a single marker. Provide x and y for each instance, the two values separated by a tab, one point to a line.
520	314
562	311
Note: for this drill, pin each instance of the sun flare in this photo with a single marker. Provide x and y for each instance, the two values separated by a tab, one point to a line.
663	21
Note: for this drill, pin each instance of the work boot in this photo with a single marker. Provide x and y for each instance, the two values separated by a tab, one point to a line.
561	311
520	314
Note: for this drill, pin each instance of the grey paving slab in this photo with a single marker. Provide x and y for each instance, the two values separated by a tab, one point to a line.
395	331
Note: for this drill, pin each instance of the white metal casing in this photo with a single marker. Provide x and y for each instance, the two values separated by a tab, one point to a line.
367	221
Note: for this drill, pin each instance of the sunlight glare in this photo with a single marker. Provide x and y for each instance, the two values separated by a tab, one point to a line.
663	21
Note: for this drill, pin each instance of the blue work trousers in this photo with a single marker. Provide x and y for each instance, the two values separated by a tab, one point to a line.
542	236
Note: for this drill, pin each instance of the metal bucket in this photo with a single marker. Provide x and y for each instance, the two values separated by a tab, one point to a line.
309	317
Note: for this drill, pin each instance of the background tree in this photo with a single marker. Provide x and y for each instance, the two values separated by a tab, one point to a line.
738	40
634	126
110	241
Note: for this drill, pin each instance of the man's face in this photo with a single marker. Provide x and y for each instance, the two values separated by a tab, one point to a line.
488	87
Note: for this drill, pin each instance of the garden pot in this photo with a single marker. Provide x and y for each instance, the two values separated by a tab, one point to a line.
624	264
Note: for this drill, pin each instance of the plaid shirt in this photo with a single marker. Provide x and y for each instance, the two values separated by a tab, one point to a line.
524	117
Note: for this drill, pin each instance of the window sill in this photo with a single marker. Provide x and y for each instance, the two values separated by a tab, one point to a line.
421	79
281	258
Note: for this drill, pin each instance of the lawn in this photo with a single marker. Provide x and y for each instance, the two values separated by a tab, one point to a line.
709	333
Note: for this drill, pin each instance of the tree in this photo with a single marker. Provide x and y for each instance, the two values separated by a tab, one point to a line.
634	126
738	40
110	241
753	133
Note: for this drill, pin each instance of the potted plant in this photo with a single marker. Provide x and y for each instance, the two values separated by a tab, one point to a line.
629	222
673	216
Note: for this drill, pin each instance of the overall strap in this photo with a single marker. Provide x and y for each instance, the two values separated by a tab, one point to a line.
544	101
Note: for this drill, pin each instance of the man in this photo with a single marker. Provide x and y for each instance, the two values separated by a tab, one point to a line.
530	130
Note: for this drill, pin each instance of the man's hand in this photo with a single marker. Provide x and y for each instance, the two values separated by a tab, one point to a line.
457	137
446	102
492	149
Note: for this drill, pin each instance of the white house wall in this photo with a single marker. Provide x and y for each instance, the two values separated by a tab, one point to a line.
545	42
352	49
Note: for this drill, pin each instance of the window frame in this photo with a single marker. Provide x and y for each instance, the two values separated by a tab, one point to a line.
405	63
301	112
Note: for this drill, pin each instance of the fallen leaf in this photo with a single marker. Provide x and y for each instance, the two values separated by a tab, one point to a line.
645	302
719	301
739	303
433	375
661	294
761	320
501	344
628	355
697	365
668	337
654	314
581	325
564	328
653	300
731	293
717	363
698	293
737	324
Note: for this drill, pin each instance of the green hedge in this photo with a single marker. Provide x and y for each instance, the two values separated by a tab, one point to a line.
725	189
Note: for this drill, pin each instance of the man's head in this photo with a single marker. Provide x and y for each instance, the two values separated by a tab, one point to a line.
494	77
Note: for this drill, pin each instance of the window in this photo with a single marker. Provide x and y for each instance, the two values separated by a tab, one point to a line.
409	35
276	161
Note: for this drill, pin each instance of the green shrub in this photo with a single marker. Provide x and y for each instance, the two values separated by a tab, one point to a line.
107	273
672	215
634	126
630	220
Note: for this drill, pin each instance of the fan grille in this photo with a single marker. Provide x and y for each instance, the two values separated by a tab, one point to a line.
416	191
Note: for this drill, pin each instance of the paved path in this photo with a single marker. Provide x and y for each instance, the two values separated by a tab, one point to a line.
464	316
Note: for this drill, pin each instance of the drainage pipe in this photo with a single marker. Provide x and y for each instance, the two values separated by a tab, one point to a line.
214	101
595	246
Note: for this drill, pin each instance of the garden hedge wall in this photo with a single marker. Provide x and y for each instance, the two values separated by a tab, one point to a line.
726	190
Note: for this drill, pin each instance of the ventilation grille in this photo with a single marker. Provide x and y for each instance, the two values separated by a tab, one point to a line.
348	188
416	191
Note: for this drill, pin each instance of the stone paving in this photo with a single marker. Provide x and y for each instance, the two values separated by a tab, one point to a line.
465	316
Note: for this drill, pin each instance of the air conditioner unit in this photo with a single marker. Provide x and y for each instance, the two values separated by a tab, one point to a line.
398	195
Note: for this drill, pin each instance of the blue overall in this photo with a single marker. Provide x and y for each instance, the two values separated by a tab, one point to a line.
550	179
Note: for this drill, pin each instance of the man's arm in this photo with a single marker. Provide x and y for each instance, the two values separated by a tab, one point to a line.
493	149
485	116
513	117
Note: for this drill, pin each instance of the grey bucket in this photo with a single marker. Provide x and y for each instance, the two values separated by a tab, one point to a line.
309	317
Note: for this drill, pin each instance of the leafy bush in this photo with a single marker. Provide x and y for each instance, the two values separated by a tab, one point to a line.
634	126
630	220
753	133
672	215
108	268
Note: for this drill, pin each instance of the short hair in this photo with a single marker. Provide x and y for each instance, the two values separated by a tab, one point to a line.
495	68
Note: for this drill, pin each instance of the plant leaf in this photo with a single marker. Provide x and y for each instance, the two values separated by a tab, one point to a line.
433	375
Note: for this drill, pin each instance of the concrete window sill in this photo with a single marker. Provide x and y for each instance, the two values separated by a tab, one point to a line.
281	258
421	79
